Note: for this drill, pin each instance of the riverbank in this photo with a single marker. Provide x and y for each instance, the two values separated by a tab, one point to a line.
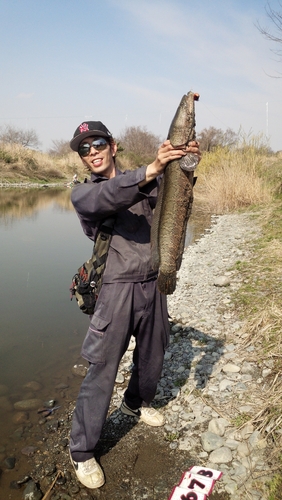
212	387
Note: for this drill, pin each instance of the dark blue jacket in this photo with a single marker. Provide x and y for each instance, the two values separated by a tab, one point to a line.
129	257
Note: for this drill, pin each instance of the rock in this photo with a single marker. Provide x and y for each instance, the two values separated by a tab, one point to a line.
246	409
225	384
28	404
119	378
230	368
243	450
256	441
232	443
218	425
10	462
79	370
61	386
221	455
246	431
28	450
221	281
32	492
33	386
20	417
211	441
231	487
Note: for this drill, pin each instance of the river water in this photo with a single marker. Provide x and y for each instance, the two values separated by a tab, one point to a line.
42	245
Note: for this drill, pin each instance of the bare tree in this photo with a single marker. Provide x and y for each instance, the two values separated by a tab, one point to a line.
275	17
13	135
139	141
212	137
60	147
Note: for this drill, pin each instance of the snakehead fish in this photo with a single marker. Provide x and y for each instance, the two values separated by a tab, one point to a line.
175	200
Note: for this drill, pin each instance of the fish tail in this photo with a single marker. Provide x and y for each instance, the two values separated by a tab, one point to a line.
166	283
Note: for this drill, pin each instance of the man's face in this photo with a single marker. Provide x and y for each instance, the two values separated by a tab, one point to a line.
100	162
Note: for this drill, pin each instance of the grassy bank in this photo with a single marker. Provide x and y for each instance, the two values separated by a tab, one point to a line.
19	164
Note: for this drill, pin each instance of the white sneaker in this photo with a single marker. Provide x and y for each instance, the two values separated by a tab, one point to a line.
147	414
151	416
89	473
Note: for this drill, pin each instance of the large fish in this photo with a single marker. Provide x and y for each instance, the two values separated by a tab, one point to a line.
175	200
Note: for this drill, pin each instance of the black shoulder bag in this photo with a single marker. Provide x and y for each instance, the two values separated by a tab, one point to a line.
87	282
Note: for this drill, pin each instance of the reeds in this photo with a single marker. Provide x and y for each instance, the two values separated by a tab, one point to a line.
229	180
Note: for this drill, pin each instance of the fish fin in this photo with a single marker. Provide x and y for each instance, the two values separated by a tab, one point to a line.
166	283
155	254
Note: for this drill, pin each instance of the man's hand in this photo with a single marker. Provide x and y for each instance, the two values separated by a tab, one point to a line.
167	153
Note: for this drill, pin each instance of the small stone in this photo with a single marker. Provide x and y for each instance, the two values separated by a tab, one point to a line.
20	417
231	487
232	443
28	404
230	367
119	378
211	441
29	450
218	425
240	472
167	356
10	462
247	367
243	450
61	386
256	441
32	492
79	370
176	328
14	485
224	384
221	455
245	409
221	281
247	430
33	386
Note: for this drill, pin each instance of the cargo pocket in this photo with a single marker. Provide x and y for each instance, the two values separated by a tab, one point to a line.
93	347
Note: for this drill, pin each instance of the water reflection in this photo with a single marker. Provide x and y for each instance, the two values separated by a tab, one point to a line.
19	203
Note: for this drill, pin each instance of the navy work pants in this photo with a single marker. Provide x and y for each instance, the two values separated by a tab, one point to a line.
122	310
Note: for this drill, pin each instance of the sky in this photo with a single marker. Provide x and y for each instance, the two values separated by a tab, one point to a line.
129	62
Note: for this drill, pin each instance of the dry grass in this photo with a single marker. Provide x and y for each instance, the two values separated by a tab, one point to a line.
231	180
20	164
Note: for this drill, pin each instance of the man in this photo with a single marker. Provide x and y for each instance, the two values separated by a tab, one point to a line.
129	302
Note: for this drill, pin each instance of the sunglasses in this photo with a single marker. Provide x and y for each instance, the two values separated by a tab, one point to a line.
99	144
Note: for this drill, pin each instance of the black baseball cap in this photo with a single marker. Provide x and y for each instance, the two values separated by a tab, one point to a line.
87	129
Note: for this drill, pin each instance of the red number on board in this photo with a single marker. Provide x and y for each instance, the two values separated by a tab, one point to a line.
189	496
195	481
207	473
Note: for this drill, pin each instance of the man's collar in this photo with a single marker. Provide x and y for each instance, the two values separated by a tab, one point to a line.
94	177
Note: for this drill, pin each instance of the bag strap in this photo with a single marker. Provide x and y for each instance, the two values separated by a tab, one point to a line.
102	244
